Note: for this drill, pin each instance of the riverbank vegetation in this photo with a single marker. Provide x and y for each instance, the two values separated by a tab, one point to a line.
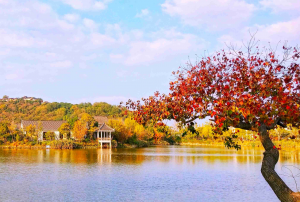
283	138
129	133
79	121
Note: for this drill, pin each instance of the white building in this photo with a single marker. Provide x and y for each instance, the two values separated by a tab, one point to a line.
102	132
44	127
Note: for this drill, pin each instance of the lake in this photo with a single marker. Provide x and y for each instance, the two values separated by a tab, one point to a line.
161	173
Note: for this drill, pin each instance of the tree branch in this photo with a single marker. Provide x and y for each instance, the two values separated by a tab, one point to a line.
276	122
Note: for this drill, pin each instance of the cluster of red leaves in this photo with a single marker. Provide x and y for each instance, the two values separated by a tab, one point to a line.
229	87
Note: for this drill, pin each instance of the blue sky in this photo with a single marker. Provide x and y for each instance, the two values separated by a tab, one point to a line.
113	50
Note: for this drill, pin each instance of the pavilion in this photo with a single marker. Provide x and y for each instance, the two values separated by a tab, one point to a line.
103	131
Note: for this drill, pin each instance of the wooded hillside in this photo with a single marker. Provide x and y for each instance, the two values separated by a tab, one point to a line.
19	109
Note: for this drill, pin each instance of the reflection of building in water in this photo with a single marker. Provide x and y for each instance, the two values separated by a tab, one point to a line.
104	155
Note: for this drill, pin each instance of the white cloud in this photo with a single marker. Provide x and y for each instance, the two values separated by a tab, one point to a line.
11	76
12	39
114	100
212	14
90	57
65	25
72	17
281	5
61	64
138	34
87	4
143	13
4	2
12	73
90	24
43	44
288	30
4	52
117	57
166	44
100	40
273	33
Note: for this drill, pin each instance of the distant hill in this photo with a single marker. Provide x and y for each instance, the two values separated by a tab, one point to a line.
18	109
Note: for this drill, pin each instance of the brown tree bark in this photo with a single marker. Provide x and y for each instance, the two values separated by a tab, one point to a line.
271	155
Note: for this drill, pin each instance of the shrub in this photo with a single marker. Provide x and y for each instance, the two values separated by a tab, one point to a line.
164	143
114	143
86	140
134	141
64	144
142	143
50	135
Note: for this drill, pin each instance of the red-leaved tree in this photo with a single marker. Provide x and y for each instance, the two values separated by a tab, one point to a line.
253	90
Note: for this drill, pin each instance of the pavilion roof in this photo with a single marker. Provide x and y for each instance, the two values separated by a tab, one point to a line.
104	127
101	119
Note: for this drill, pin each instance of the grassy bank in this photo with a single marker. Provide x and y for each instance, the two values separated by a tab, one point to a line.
71	144
55	144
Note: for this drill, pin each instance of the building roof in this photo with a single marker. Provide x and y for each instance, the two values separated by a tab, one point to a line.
47	125
104	127
101	119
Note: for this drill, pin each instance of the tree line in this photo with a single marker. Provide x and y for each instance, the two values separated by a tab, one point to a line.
79	121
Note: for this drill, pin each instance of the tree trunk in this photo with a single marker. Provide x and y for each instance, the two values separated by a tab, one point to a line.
271	155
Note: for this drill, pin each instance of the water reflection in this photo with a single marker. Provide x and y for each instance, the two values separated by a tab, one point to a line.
170	173
104	156
178	155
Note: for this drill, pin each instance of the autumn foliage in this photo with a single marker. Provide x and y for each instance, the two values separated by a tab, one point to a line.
80	130
235	88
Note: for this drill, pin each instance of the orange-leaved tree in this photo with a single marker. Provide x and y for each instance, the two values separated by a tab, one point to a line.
79	130
90	122
253	90
31	131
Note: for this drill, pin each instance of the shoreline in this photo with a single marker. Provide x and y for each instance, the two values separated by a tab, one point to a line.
44	147
80	147
284	145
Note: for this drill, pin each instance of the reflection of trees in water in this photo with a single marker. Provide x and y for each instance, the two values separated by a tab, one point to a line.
292	157
178	155
80	156
120	158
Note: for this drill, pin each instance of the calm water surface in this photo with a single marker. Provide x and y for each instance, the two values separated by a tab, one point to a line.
173	173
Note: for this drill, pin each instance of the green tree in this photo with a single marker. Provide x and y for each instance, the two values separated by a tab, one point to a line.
31	131
3	131
90	123
3	128
65	129
121	133
50	136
